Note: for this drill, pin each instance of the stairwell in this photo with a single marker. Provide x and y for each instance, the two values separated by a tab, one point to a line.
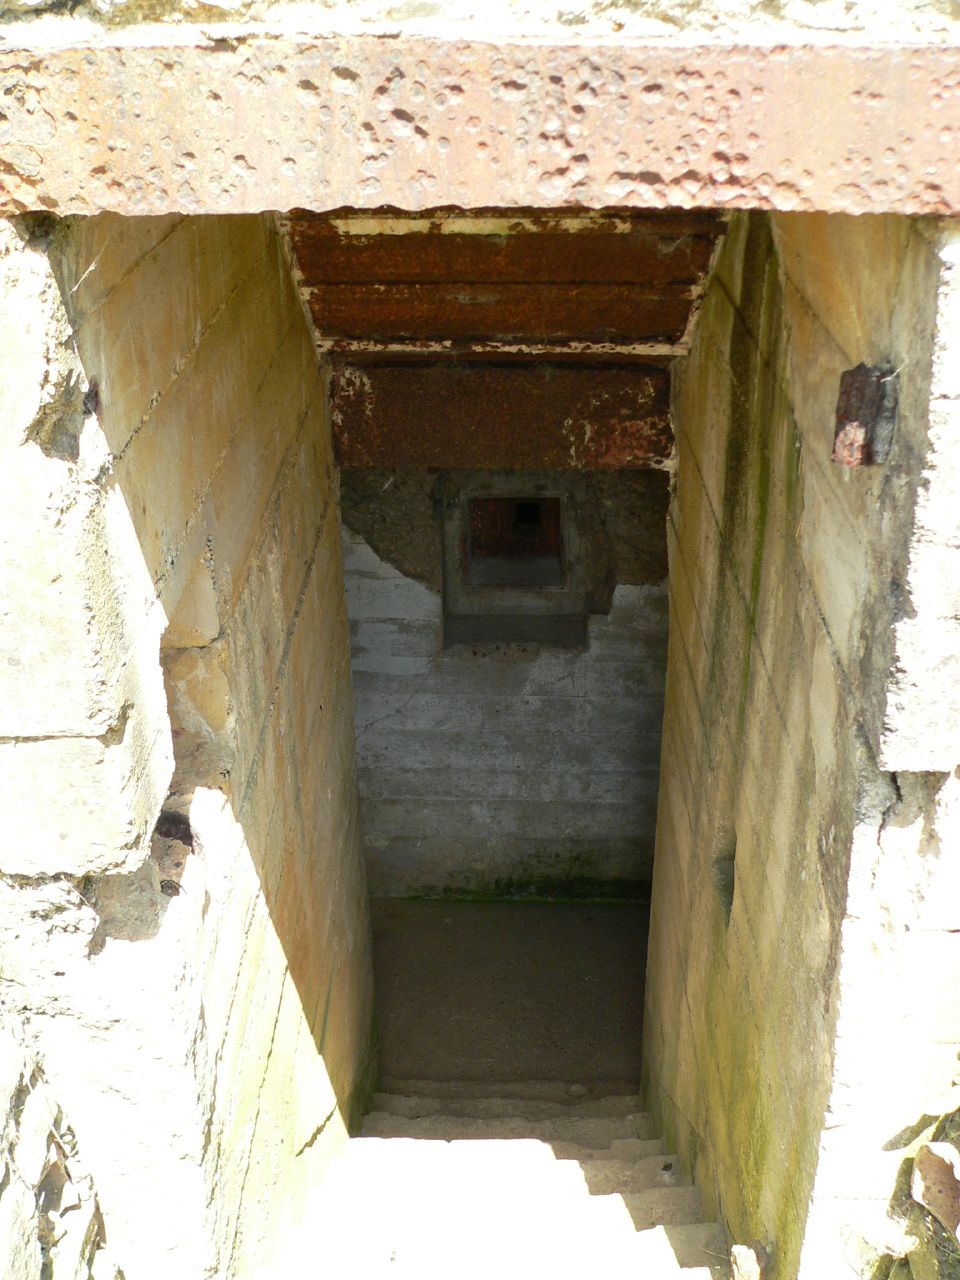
529	1179
509	1139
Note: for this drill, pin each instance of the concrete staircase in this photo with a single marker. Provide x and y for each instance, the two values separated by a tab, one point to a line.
537	1180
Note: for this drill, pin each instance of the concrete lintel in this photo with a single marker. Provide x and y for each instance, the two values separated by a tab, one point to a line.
222	120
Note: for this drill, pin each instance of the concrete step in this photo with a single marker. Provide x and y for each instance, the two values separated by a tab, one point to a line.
700	1246
620	1148
660	1206
475	1161
529	1090
671	1251
606	1177
617	1105
409	1207
467	1184
597	1132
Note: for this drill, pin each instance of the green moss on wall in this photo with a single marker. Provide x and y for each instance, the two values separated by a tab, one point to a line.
740	1092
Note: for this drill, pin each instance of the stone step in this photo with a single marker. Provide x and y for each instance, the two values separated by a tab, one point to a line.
596	1132
500	1107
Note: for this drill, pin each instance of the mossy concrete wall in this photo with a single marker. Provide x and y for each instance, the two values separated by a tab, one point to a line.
185	934
788	575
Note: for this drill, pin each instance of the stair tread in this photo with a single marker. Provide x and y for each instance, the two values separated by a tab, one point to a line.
592	1131
524	1090
458	1184
605	1176
502	1107
661	1206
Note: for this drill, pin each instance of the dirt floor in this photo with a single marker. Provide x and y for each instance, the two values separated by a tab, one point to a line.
510	991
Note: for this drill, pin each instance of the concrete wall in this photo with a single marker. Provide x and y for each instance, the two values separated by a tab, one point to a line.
196	989
50	1221
788	578
895	1080
495	767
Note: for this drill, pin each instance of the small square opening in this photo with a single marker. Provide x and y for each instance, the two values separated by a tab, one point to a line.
514	542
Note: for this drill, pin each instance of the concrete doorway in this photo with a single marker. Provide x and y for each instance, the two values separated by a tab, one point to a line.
499	393
176	483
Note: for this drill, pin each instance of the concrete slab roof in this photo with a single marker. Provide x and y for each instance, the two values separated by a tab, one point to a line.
238	120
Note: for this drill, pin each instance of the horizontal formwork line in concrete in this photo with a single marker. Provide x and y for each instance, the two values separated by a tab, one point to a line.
386	783
491	820
461	713
597	677
409	633
377	700
614	753
334	120
373	597
402	864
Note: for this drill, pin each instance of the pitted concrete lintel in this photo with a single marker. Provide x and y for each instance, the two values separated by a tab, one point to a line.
229	121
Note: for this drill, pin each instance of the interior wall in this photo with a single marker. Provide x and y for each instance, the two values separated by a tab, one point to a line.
209	972
496	767
788	574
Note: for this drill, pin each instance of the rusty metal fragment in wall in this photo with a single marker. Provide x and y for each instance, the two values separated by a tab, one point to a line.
866	415
936	1182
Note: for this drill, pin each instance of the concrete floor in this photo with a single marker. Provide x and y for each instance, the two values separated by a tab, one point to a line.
510	991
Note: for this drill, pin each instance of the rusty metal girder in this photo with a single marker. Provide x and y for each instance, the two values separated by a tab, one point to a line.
536	417
468	282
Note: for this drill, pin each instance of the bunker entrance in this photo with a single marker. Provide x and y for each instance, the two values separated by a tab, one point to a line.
485	433
499	402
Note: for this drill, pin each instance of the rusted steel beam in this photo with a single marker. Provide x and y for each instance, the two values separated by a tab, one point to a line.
362	352
220	120
608	249
518	312
536	417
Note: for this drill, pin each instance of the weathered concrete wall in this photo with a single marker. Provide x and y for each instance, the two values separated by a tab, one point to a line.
196	990
788	577
504	768
898	1027
50	1223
